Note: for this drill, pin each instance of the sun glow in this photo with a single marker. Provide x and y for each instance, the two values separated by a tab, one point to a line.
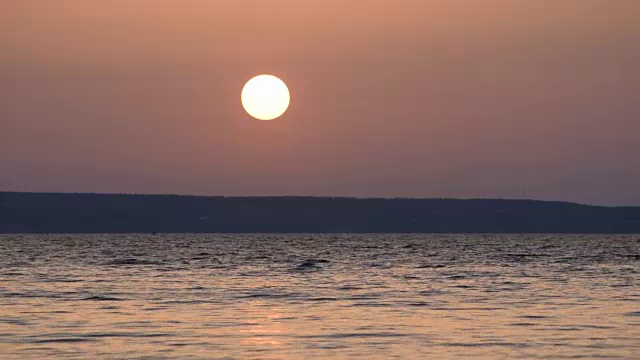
265	97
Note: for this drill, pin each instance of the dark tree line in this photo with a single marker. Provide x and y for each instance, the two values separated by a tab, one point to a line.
101	213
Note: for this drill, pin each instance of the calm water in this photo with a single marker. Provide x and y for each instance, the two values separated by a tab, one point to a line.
313	296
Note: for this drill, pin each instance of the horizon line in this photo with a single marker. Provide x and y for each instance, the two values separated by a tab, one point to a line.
321	197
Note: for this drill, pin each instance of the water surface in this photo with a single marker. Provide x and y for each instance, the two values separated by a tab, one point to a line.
319	296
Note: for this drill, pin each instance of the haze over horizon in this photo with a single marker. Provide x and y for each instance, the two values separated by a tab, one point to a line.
431	98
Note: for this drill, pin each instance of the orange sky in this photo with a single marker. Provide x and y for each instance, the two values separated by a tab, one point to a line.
428	98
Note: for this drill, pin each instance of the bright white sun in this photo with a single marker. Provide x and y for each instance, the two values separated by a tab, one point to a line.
265	97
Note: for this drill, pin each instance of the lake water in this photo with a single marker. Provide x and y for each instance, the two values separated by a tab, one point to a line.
319	296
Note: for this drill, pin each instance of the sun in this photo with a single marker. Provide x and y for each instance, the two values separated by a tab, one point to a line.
265	97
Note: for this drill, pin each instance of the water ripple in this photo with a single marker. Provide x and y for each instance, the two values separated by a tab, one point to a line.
319	296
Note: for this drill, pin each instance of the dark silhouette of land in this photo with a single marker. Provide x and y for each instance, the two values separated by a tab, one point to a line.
96	213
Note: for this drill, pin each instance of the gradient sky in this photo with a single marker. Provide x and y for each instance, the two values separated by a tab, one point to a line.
425	98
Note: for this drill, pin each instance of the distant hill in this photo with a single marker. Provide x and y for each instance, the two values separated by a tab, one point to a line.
96	213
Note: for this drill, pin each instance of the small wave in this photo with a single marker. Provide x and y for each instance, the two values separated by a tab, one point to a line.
126	334
205	257
633	313
369	304
431	292
567	328
310	264
13	321
322	299
597	327
102	298
54	280
355	335
467	308
535	317
178	302
457	277
363	297
133	261
62	340
316	261
523	255
12	274
419	304
46	295
348	288
267	296
257	257
431	266
489	344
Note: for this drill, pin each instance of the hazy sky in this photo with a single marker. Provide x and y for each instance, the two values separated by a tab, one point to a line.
425	98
